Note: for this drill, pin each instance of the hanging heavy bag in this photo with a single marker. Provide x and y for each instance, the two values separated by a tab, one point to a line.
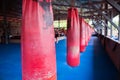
82	35
73	35
38	45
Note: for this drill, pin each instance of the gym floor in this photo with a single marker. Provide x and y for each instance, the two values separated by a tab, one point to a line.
95	64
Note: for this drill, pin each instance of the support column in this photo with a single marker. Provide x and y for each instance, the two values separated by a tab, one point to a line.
5	36
59	20
100	31
119	28
106	7
102	21
111	16
106	28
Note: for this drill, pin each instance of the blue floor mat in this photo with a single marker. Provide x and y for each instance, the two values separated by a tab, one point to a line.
10	62
94	63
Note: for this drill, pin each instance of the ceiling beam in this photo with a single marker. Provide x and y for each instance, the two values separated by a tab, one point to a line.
91	16
93	3
94	11
12	16
114	4
106	17
68	5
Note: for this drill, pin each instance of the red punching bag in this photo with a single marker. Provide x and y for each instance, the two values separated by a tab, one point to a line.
73	52
89	31
82	35
38	46
86	34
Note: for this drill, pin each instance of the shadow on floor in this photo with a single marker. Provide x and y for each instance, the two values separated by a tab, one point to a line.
103	67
